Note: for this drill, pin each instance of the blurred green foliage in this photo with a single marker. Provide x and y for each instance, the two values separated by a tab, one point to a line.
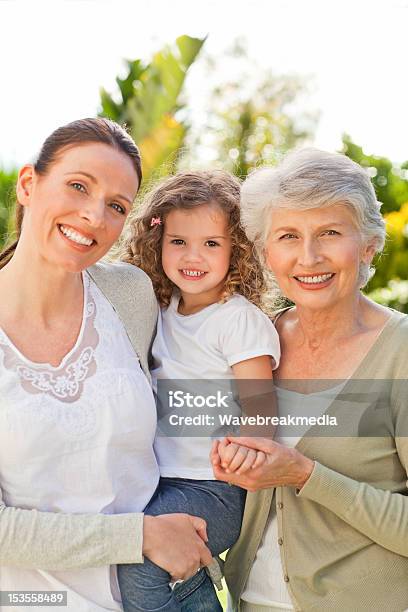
7	199
393	262
394	295
259	129
252	116
149	103
389	180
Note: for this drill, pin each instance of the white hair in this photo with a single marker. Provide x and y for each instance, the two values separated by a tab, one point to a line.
309	178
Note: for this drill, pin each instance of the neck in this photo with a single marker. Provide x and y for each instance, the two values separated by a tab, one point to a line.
345	319
190	304
39	290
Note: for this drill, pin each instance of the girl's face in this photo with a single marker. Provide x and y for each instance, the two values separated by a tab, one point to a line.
196	251
315	255
76	211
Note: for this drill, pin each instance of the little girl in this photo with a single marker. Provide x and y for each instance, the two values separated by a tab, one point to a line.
188	238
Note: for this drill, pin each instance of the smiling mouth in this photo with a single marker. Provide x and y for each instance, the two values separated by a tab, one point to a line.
192	274
75	236
317	279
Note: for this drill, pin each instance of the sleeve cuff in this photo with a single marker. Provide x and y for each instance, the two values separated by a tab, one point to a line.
233	359
330	489
123	535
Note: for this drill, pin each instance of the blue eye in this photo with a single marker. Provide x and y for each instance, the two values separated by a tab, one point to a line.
121	209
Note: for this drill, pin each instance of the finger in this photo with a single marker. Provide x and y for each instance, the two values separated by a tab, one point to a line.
214	454
248	462
260	459
220	474
261	444
238	459
205	556
200	526
228	454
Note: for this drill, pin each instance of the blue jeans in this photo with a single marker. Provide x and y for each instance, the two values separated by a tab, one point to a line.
145	587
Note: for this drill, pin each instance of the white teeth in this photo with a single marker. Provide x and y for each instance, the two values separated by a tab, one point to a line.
321	278
75	236
193	272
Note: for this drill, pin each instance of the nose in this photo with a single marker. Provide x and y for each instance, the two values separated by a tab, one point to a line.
193	253
309	254
94	212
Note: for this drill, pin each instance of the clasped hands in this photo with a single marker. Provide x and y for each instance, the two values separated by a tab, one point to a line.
259	463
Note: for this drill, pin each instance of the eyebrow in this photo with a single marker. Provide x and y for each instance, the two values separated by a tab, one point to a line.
295	229
205	237
93	179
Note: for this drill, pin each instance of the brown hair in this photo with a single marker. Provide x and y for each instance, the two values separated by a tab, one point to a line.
142	244
78	132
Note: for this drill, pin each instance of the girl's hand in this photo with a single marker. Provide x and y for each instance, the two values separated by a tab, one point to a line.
239	459
283	466
176	543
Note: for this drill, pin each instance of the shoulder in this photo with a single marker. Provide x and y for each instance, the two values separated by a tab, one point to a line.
119	272
127	287
395	336
238	304
241	316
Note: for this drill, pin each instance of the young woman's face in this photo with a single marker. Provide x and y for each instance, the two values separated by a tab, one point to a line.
196	250
76	211
315	255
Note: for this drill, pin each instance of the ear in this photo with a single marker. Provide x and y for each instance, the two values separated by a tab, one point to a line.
25	184
368	252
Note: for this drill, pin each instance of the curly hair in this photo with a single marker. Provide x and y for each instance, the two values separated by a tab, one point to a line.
142	241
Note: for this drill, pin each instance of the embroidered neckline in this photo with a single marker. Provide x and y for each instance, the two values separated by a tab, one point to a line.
65	381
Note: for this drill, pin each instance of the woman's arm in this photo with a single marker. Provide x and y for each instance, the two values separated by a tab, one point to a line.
380	515
56	541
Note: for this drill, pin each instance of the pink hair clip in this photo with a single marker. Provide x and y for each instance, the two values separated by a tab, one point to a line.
155	221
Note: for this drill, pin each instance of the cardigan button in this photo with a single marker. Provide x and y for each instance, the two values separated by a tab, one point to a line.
280	541
280	505
286	578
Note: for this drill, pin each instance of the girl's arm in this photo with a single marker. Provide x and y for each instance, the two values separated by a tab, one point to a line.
257	399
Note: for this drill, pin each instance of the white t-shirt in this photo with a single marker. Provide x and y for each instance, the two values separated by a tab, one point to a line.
77	438
204	346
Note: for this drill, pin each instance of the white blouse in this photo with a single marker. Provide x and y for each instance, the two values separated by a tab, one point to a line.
77	438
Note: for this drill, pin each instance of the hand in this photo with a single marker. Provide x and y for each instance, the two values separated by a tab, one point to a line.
176	543
283	466
237	458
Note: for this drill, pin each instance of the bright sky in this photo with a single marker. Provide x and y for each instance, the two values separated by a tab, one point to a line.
56	54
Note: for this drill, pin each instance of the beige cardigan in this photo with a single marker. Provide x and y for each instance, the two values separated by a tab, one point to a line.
344	536
51	541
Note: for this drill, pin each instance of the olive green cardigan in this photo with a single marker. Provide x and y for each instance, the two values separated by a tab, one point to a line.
344	536
57	541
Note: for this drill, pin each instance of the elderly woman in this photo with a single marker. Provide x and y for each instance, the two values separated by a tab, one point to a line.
327	526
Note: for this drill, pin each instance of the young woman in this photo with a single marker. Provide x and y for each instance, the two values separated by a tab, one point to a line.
77	416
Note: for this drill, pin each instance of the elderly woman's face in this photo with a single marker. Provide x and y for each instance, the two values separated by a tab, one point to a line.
315	254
